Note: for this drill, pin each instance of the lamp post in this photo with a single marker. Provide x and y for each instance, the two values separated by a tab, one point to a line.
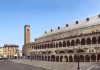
78	67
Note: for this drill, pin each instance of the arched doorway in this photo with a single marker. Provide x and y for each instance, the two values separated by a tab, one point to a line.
61	58
70	58
66	58
57	58
81	58
98	57
87	58
48	58
52	58
93	58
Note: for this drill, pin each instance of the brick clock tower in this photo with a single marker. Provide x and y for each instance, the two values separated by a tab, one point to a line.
26	34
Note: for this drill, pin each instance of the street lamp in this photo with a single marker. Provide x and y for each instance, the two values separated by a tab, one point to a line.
78	66
78	57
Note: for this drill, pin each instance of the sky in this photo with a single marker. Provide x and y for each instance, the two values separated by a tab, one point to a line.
41	15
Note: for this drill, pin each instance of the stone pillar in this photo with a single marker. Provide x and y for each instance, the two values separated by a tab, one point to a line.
90	58
73	58
68	58
96	58
46	58
84	58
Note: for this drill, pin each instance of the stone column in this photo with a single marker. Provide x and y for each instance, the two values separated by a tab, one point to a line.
90	58
73	58
68	58
84	58
96	57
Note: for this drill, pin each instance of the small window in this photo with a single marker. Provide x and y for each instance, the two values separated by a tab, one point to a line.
45	32
51	30
66	25
58	27
87	19
89	50
76	22
92	50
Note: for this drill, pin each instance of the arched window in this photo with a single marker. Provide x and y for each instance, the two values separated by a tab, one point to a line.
94	40
48	46
88	41
60	44
51	46
52	58
56	45
72	43
64	44
45	45
82	41
42	46
77	41
68	43
38	47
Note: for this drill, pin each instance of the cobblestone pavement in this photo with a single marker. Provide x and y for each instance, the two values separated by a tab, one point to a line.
96	66
57	65
9	65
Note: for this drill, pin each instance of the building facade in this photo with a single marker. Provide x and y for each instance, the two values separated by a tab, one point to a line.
10	51
64	43
1	52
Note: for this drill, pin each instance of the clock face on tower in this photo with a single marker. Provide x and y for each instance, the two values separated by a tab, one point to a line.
27	29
